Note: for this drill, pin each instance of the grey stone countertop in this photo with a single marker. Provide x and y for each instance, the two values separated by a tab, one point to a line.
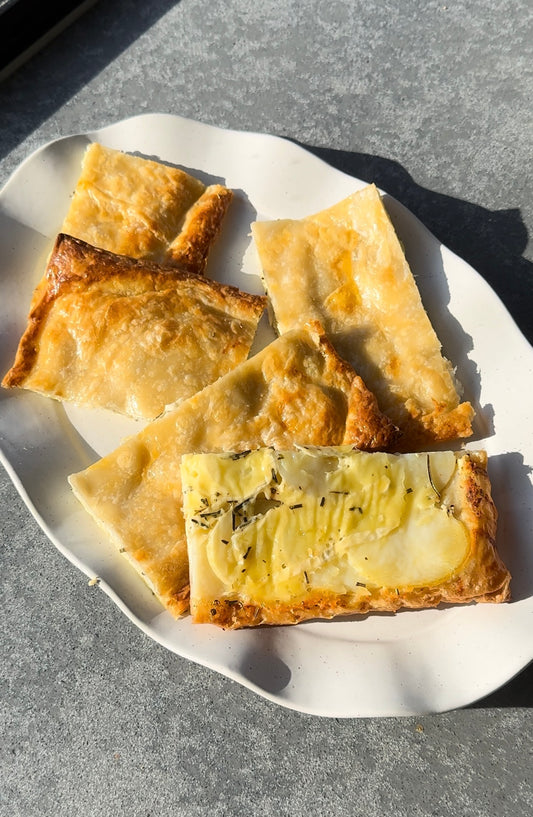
433	102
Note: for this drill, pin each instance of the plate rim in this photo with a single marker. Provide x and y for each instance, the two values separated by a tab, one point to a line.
519	337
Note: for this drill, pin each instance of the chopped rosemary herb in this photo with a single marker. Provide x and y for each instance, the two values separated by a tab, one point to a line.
306	577
241	454
322	501
437	492
297	505
247	552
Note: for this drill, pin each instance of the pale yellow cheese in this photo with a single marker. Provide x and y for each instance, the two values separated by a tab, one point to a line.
320	531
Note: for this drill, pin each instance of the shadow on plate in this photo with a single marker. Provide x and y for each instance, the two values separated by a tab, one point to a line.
262	667
86	47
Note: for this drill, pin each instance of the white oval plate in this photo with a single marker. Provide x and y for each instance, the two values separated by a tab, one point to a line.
381	665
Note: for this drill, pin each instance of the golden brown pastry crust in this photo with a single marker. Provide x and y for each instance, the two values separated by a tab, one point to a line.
202	224
163	332
296	390
345	267
145	209
482	576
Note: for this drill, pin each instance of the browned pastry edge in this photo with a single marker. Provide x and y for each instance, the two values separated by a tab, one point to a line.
75	264
442	425
481	578
202	224
366	425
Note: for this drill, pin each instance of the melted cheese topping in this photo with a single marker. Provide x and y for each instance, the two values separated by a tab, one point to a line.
345	268
272	527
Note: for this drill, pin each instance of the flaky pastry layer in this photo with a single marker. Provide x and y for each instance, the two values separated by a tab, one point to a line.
346	268
145	209
109	331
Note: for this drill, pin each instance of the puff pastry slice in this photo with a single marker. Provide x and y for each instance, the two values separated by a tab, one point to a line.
280	537
296	390
109	331
345	267
145	209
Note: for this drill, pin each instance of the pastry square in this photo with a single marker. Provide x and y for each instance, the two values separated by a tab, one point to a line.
345	267
112	332
295	390
145	209
279	537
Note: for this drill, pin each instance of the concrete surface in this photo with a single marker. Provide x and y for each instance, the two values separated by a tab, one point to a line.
433	102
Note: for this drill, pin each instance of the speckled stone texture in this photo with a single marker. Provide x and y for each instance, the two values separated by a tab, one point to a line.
433	102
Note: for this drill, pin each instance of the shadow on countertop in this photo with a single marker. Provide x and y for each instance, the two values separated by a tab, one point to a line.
66	59
517	693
